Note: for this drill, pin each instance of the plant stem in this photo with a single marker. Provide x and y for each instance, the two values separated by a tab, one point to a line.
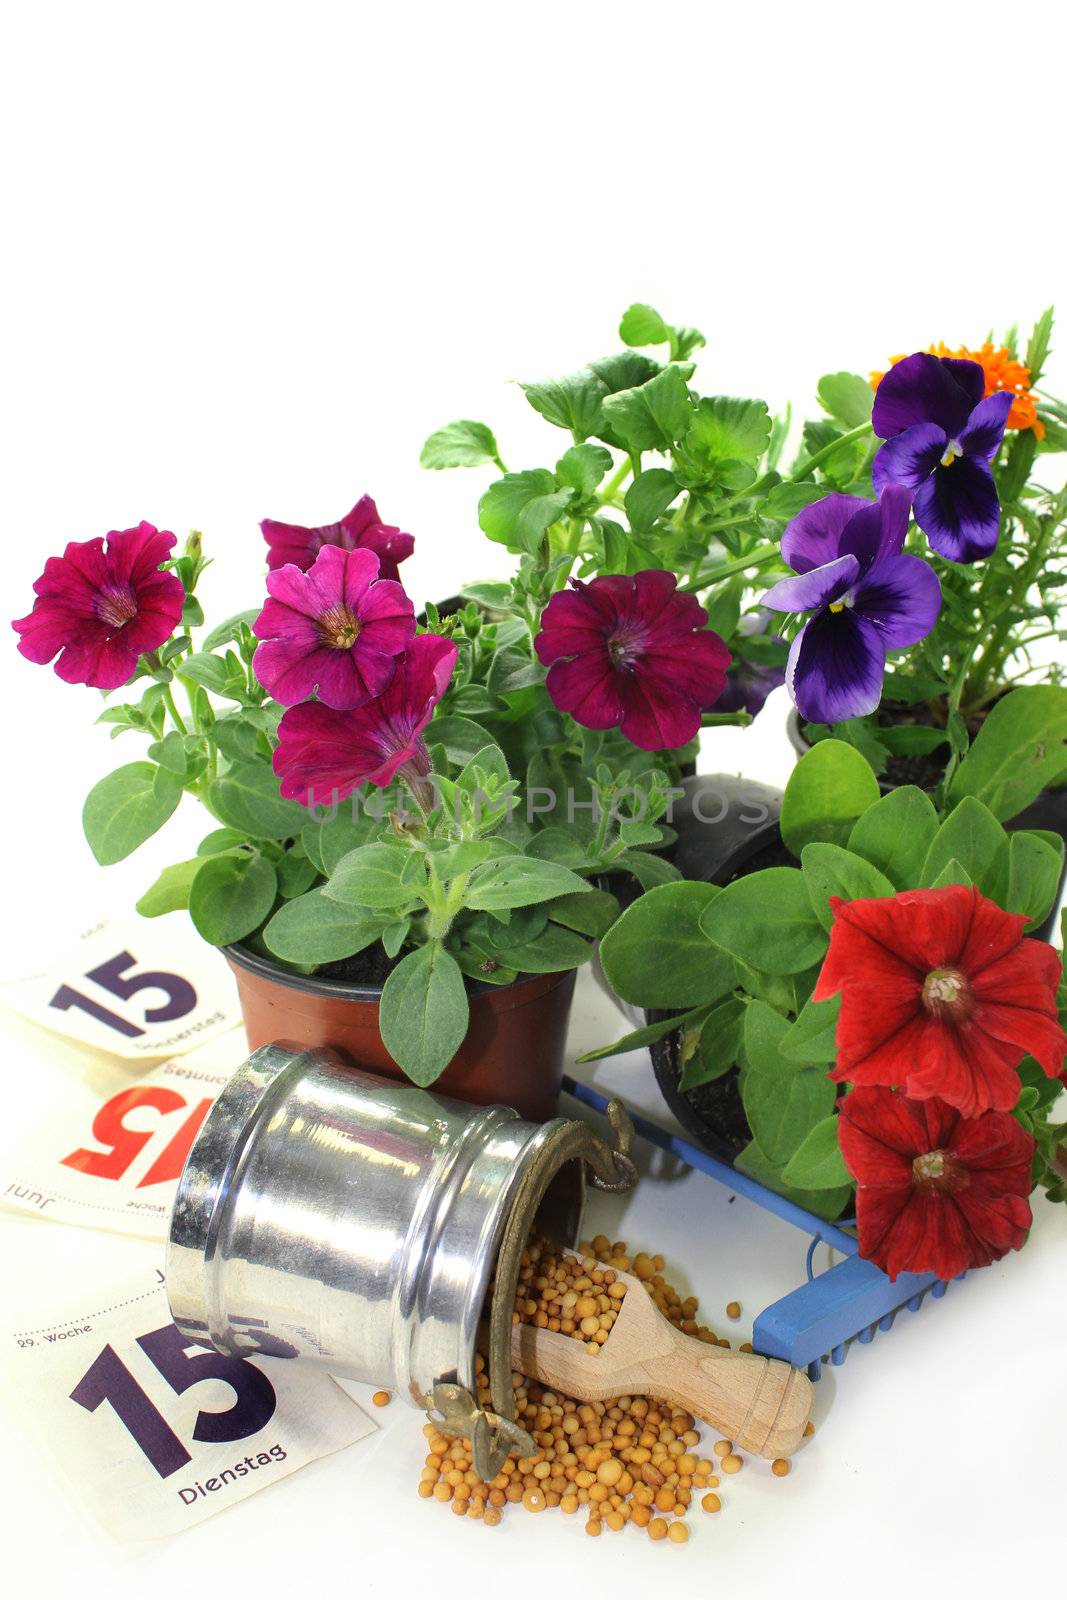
827	451
168	701
761	556
615	482
994	656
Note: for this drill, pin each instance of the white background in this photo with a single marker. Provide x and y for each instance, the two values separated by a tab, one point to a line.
254	254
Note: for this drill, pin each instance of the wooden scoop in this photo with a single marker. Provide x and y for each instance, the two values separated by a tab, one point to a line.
761	1405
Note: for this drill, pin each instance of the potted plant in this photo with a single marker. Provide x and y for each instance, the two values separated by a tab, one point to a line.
966	434
885	1032
412	820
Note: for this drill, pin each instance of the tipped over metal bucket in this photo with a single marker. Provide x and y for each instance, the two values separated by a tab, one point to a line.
360	1223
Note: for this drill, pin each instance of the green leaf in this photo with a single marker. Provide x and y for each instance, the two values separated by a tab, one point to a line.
128	807
895	835
313	929
826	1203
912	739
213	672
811	1038
830	870
228	631
247	798
626	370
518	508
656	954
591	913
784	1105
651	1033
648	497
170	753
971	836
330	841
519	881
459	737
220	839
846	397
828	790
642	325
785	500
296	873
572	402
558	844
1034	866
725	429
650	871
718	1046
817	1163
373	876
951	873
556	949
460	444
1020	749
1037	351
582	467
765	1029
651	417
766	920
230	896
170	892
236	738
424	1012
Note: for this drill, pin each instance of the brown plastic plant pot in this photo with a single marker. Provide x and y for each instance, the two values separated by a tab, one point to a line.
512	1055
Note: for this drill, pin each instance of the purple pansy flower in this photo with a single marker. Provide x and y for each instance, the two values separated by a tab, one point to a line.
336	628
866	597
940	437
291	544
632	653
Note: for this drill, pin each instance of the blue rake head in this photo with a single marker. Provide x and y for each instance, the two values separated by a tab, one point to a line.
817	1322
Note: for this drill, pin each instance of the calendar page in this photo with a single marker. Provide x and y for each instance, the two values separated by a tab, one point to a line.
134	987
110	1151
155	1433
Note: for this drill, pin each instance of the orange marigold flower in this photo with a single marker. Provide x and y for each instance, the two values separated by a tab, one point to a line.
1002	372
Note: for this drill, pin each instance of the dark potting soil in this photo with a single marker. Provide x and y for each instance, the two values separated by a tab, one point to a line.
718	1104
927	770
369	968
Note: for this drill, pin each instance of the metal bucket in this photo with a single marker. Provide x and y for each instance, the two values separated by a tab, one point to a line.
360	1222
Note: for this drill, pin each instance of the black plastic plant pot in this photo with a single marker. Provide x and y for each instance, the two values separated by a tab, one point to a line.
1048	812
727	827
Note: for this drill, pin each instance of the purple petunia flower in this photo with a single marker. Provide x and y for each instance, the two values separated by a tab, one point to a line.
362	529
336	628
940	437
102	609
866	597
631	653
324	754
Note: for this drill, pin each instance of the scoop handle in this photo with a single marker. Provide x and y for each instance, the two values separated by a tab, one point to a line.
761	1404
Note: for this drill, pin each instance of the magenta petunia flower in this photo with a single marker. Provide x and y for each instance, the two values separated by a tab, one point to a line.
103	608
336	628
362	529
323	754
632	653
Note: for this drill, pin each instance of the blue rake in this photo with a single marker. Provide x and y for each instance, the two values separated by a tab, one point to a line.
853	1300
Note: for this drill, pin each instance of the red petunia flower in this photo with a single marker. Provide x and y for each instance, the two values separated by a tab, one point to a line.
941	994
936	1192
362	529
336	628
323	755
102	608
631	653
